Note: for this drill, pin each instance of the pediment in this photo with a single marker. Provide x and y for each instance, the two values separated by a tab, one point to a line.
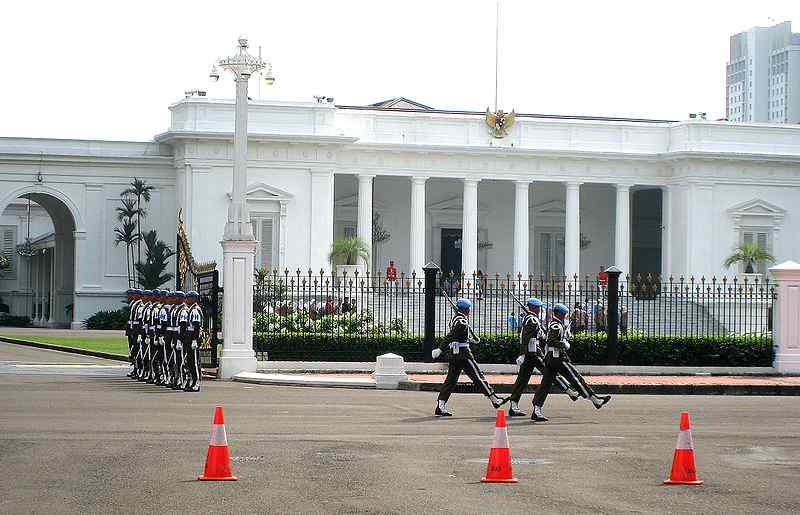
453	204
757	207
351	201
260	192
757	212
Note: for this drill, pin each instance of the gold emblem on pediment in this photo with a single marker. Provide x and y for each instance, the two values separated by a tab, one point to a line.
499	122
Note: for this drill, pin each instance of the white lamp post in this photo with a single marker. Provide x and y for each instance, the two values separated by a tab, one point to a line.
238	243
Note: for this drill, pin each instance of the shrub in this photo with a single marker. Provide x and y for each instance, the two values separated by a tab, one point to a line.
108	319
14	321
503	348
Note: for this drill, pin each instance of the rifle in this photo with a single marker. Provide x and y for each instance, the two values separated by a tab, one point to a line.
453	305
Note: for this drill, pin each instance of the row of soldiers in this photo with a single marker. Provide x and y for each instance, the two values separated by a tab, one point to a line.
541	348
164	337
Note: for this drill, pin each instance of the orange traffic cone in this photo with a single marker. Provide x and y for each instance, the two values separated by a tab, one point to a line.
218	460
498	470
683	471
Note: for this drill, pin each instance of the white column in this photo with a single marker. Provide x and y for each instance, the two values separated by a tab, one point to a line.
237	348
238	226
622	231
321	223
365	214
572	230
34	266
417	257
786	318
52	297
666	231
469	230
41	289
82	275
521	228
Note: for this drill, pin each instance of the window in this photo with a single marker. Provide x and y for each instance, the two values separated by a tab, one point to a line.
8	245
266	229
762	239
349	232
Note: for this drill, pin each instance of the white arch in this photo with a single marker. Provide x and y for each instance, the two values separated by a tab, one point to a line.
80	225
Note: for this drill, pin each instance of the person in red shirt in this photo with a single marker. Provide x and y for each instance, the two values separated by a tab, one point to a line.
391	276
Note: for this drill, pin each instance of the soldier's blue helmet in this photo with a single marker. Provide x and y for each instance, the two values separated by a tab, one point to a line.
464	304
147	292
179	293
561	308
193	294
533	302
160	293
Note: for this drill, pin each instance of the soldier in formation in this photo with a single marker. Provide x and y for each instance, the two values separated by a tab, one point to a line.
456	343
164	331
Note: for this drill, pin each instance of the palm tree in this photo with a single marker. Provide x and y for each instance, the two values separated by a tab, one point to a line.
127	234
348	250
151	272
140	190
749	254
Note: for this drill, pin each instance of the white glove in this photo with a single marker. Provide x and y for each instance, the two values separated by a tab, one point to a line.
435	353
566	345
520	359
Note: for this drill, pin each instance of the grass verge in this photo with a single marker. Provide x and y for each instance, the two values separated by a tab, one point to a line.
109	344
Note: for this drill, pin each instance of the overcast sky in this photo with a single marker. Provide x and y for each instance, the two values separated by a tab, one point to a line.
109	70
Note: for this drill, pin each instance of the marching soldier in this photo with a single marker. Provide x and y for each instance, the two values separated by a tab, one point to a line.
191	320
461	359
157	353
530	357
133	344
557	362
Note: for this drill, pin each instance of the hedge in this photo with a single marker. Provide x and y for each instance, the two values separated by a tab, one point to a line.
586	349
14	321
108	319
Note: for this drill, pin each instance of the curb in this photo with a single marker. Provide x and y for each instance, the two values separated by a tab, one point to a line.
61	348
631	389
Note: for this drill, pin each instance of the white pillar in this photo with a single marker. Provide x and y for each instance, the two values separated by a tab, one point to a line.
82	274
786	318
572	230
238	226
365	214
622	232
41	289
469	230
237	324
417	241
521	228
33	264
52	297
321	228
666	231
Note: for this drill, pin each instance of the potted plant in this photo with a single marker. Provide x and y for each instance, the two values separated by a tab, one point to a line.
750	254
345	255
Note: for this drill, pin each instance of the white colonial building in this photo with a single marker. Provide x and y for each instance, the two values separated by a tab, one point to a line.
556	195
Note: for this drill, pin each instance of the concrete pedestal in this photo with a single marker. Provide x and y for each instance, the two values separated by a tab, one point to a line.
390	369
237	323
786	318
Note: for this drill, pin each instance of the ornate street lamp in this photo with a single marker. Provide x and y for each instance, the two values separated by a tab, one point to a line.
238	243
242	65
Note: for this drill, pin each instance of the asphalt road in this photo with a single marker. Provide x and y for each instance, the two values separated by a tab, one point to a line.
84	442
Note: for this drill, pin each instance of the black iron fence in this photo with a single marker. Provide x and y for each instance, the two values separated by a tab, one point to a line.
339	311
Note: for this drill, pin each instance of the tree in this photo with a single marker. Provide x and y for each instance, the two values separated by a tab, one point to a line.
5	265
750	254
127	234
141	190
379	234
348	250
151	273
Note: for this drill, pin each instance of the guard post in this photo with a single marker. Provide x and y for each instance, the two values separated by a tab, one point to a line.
431	270
612	320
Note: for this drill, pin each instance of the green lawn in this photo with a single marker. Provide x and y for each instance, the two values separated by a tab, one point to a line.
110	344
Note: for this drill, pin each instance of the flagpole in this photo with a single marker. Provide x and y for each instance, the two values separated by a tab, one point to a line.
496	50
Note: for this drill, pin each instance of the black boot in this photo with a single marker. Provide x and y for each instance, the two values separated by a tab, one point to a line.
537	415
600	400
514	411
441	410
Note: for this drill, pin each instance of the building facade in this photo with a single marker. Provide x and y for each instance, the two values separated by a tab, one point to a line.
763	75
557	195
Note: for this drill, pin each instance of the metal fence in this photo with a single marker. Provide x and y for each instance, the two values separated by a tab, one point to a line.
368	306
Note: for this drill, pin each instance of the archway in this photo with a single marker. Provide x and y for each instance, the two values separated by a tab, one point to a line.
41	282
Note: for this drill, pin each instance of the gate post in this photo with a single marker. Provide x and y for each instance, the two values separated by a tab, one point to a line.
612	317
786	318
431	269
